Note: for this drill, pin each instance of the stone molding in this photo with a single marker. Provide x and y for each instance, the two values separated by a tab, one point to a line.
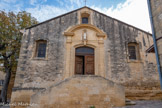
74	39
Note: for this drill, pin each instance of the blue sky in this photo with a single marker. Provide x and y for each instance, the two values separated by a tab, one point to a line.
24	4
133	12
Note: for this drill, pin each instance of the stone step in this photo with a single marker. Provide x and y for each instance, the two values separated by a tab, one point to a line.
129	102
144	94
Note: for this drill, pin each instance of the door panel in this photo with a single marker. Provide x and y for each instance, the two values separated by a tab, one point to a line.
89	65
79	65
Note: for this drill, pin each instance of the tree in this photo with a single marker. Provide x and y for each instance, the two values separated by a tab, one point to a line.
10	38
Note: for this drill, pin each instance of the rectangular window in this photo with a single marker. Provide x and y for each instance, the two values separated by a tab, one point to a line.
84	20
132	52
41	49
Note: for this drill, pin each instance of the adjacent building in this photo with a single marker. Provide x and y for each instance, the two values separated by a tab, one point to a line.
155	8
2	76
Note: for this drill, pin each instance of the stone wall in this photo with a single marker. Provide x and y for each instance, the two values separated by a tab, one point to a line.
2	77
81	92
156	8
40	73
11	83
34	73
141	72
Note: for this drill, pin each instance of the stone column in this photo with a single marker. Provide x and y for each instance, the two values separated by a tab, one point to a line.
101	54
68	53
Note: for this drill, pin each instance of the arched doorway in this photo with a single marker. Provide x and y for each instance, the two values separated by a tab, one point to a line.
84	61
76	63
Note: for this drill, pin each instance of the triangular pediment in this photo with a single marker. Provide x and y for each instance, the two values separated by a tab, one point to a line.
85	7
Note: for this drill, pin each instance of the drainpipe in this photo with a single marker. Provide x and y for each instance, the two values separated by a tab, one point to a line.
155	43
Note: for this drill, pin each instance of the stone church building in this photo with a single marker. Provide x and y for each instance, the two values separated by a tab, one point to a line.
83	59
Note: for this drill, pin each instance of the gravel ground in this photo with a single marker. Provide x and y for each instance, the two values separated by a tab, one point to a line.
145	104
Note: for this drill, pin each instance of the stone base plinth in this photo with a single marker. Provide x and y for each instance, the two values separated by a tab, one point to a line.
81	92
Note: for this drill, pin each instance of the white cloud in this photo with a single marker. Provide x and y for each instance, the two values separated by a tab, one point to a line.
9	1
3	6
11	5
60	2
32	2
77	2
35	2
134	12
44	12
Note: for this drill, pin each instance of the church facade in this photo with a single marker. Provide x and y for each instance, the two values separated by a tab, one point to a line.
85	50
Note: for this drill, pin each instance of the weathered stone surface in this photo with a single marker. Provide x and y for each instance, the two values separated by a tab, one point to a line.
42	73
118	67
142	94
2	77
80	91
140	74
22	97
156	8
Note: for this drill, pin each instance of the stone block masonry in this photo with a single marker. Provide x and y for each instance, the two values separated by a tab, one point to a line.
81	92
108	37
156	9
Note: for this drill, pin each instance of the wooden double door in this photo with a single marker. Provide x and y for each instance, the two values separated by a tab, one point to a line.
84	64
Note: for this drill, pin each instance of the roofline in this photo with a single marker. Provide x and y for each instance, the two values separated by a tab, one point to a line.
92	10
54	18
152	46
121	22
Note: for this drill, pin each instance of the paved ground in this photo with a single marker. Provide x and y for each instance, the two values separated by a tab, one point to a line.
140	104
4	107
145	104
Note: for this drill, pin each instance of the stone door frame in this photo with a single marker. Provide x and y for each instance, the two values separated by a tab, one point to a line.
84	61
74	40
84	56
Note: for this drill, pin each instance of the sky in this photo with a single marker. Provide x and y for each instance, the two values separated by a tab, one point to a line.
133	12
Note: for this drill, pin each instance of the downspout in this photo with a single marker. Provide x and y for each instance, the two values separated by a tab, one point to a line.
155	43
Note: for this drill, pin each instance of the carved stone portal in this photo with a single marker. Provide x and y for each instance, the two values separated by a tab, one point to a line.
89	36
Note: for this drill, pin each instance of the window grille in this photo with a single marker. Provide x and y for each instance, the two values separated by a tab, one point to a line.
41	49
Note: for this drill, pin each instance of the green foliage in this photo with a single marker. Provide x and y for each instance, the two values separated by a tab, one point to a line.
10	35
10	41
92	107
